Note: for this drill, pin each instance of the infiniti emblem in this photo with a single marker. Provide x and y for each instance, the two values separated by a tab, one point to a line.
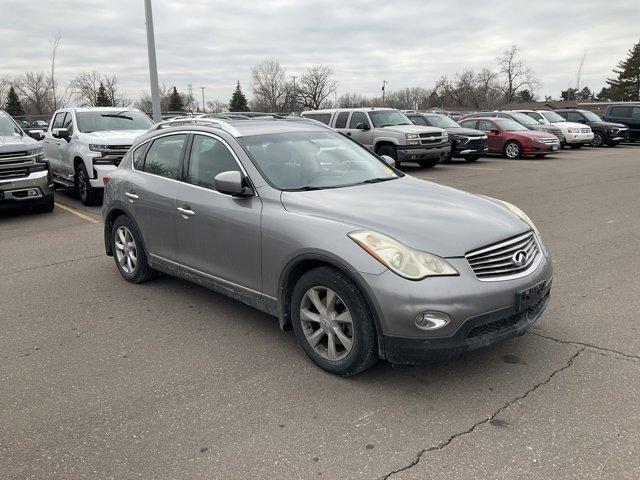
519	258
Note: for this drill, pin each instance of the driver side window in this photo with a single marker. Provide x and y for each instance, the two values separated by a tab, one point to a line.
208	158
58	120
68	123
356	118
486	125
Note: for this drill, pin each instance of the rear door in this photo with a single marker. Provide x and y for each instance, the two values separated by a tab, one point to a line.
363	135
152	193
218	234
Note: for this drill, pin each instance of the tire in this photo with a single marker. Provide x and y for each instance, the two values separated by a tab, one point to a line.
429	163
89	196
613	144
512	150
389	151
598	139
471	158
134	269
45	207
361	331
576	146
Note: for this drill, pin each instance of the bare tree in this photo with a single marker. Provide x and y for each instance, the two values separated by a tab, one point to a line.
351	100
579	72
86	85
35	89
269	85
515	74
216	106
5	84
316	84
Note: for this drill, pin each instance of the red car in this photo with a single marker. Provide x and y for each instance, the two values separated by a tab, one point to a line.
512	139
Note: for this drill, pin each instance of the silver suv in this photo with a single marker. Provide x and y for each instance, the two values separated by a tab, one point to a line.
24	171
303	223
389	132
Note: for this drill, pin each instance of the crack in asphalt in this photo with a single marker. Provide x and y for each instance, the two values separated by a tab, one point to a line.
448	441
588	345
54	264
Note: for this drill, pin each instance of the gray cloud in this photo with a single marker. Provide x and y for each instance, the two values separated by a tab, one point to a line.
213	43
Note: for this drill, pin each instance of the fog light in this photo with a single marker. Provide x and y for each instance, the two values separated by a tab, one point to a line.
32	192
432	320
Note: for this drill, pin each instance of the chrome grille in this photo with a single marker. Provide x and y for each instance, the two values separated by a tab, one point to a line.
585	130
14	173
549	141
496	262
430	138
13	154
115	153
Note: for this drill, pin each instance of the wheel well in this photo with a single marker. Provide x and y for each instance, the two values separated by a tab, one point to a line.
383	143
292	274
77	161
108	225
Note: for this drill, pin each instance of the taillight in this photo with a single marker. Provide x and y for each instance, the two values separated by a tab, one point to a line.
106	179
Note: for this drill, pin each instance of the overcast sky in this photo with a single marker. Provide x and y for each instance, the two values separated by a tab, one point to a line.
213	43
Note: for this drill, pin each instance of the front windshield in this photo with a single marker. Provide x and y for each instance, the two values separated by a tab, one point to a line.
553	117
442	121
314	160
7	127
524	119
511	125
388	118
592	117
98	121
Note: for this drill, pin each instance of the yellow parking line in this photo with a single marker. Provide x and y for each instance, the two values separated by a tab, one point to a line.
76	213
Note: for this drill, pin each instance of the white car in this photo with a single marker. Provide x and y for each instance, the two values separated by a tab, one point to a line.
84	144
576	135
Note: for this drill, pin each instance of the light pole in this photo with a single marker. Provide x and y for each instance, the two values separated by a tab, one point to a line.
295	94
384	84
203	109
153	67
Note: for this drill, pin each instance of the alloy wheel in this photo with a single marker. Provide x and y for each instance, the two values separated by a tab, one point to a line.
326	323
82	185
512	150
598	140
126	250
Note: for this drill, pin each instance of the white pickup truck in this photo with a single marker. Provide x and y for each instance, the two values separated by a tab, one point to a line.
83	144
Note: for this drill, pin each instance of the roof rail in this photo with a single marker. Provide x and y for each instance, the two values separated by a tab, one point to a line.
208	122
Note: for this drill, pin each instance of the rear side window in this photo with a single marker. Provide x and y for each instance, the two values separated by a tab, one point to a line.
418	120
573	116
341	121
163	157
636	113
58	120
208	158
138	157
486	125
622	111
469	124
357	118
68	123
321	117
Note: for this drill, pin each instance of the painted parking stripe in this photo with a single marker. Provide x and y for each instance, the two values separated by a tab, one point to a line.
76	213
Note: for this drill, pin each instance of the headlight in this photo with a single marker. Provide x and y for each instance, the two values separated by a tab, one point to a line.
400	259
520	214
40	156
573	130
412	136
98	148
445	135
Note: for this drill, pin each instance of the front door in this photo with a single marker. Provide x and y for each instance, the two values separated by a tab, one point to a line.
152	193
218	234
51	144
66	163
363	136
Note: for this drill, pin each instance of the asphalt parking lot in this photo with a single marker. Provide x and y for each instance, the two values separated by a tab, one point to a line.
104	379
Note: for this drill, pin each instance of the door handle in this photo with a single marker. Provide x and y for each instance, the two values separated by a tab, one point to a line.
131	196
186	212
348	134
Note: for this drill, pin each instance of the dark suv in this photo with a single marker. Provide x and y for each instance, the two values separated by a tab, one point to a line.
523	119
604	133
627	114
466	143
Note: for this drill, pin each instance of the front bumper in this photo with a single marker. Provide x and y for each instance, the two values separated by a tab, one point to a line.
34	189
468	148
99	171
469	302
540	149
421	152
578	138
617	137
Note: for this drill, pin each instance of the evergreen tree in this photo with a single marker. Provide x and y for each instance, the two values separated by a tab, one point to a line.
604	95
238	101
175	101
102	99
627	85
13	106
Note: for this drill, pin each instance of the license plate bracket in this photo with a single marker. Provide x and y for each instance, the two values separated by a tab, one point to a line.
530	296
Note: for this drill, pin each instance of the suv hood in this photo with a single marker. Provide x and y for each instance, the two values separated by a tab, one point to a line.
16	143
422	215
465	131
113	137
607	125
412	129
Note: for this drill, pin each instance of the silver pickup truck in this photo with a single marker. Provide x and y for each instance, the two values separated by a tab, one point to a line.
24	171
387	131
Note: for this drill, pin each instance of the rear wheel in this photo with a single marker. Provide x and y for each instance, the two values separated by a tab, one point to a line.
598	139
88	195
512	150
576	145
332	322
128	251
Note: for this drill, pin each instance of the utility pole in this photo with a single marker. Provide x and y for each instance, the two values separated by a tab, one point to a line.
384	84
153	67
295	94
190	97
203	109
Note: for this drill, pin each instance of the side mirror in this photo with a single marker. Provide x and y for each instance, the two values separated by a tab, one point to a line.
389	160
60	133
542	121
36	134
495	131
363	126
232	183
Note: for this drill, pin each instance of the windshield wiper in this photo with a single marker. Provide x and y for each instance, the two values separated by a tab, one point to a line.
116	115
378	180
306	188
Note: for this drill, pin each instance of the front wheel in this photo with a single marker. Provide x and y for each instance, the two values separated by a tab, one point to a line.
429	163
598	139
332	322
576	146
88	195
512	150
128	251
471	158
